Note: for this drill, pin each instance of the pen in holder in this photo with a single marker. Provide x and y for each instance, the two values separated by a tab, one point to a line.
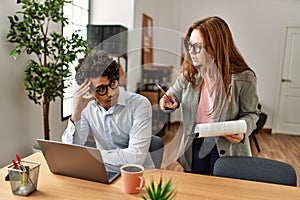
23	180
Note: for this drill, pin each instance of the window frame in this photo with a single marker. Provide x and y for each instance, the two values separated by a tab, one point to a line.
71	80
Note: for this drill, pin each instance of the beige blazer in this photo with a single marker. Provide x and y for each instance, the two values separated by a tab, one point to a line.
243	102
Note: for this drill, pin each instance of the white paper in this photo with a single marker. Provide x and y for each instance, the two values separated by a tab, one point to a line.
221	128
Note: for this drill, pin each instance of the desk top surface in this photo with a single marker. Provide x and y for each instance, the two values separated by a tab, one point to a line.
188	186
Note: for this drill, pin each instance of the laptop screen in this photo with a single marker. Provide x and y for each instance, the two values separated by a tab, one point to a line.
75	161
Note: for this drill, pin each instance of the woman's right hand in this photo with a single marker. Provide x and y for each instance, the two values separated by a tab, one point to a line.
79	101
165	103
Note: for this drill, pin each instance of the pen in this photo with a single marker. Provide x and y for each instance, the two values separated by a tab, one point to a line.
19	162
171	101
15	164
25	172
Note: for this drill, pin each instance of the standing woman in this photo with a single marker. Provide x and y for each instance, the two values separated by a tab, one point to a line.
215	84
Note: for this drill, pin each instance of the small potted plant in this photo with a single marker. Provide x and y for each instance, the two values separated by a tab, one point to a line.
31	31
159	191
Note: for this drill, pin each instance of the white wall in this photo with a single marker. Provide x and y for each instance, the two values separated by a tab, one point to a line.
166	38
258	30
112	12
129	13
257	27
20	119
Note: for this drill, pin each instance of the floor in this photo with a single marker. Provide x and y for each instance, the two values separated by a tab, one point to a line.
279	147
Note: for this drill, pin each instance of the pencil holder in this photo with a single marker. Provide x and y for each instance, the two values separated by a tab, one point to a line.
24	181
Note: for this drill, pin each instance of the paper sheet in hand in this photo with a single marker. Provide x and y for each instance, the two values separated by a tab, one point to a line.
221	128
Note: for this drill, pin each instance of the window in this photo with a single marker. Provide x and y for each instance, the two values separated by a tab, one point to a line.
78	14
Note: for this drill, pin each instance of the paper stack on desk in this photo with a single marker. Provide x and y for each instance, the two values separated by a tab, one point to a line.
221	128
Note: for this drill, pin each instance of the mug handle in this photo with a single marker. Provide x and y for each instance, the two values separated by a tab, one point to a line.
142	182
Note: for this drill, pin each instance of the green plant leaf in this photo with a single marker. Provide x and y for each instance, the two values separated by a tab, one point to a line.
150	193
15	52
30	31
160	191
167	188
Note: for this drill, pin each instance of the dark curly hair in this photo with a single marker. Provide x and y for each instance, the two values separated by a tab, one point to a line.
96	64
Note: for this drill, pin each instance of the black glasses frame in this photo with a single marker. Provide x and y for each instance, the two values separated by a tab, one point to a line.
196	49
188	45
113	84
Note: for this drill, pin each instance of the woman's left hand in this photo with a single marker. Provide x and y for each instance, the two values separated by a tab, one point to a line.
236	138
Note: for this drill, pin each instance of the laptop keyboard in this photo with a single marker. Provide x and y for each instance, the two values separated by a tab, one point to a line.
111	174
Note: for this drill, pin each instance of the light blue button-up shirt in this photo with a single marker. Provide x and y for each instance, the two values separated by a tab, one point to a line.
122	133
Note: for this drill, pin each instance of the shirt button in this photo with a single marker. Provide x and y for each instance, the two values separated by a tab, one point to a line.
222	152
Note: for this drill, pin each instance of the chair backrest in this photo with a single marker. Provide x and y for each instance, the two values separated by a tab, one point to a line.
255	169
156	150
260	122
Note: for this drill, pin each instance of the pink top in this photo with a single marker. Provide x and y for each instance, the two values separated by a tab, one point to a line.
205	105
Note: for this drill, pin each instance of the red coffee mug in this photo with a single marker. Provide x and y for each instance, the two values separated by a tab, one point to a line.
133	179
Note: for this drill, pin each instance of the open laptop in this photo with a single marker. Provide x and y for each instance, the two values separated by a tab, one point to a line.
76	161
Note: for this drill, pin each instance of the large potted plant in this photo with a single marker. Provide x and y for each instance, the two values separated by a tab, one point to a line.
31	29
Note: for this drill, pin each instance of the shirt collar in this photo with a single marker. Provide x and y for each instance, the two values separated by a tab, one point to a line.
122	97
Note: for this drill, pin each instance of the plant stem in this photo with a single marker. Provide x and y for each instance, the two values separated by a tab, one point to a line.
46	106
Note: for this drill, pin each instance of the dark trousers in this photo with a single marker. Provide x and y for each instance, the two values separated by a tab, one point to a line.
205	154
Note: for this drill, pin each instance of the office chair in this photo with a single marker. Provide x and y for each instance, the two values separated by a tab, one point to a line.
156	150
259	125
255	169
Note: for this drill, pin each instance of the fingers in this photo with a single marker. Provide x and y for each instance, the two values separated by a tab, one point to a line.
236	138
171	103
162	104
165	102
83	84
230	139
84	89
